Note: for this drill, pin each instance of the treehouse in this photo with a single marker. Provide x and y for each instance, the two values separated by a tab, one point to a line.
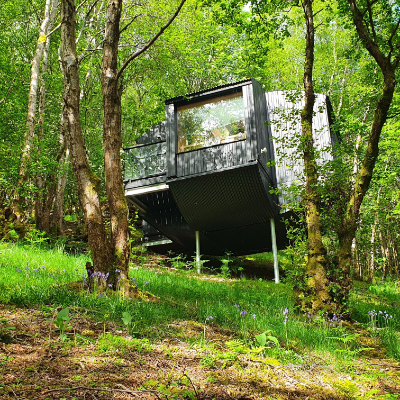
208	174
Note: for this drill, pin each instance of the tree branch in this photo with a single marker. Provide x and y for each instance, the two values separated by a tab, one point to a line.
371	3
391	37
370	45
371	21
80	5
393	115
129	23
138	53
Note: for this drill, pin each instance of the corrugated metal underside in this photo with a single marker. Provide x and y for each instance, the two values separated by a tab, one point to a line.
222	200
232	209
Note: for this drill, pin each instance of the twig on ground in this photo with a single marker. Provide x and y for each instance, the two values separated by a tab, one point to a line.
14	394
194	388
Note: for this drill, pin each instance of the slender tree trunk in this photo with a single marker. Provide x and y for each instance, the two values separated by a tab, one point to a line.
372	255
87	181
112	139
32	103
384	251
44	201
317	296
56	222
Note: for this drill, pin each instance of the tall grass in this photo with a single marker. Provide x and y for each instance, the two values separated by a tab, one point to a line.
30	276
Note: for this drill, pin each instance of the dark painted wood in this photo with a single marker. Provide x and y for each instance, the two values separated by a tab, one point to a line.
209	93
265	153
154	135
250	122
211	158
172	148
148	181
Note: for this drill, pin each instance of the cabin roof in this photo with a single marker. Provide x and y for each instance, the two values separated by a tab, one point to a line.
212	90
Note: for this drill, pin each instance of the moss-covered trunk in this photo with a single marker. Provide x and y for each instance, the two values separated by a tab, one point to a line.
112	142
315	294
87	181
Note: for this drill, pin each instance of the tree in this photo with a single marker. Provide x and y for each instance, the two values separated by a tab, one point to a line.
110	256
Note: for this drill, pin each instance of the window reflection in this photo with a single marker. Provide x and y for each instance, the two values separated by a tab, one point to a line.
211	122
144	161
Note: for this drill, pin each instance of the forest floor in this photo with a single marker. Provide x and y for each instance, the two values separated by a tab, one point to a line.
93	365
181	359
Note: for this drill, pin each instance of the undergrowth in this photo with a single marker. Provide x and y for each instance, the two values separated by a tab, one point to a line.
247	309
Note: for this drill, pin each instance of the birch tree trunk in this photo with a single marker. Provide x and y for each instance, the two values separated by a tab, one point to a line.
44	201
32	104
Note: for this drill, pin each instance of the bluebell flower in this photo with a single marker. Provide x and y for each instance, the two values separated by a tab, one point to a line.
243	313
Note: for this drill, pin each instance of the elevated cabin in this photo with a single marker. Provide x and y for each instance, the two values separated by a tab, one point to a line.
210	167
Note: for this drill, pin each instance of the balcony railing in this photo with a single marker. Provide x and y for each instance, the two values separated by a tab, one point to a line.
143	161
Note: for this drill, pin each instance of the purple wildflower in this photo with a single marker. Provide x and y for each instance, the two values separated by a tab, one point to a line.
209	318
118	270
109	285
254	316
243	313
146	283
134	281
286	315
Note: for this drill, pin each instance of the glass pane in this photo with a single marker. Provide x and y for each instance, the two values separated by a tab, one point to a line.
144	161
210	122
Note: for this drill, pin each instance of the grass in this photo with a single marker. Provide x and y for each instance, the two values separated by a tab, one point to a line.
178	301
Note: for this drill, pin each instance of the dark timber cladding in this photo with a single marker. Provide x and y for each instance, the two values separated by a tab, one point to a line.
211	165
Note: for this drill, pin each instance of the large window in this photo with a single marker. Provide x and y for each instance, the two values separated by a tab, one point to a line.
210	122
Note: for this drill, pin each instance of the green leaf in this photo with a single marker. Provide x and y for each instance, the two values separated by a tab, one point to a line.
126	318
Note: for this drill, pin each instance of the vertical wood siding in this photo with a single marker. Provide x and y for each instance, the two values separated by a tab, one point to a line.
284	109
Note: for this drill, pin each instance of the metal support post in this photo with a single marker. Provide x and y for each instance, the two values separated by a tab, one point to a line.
274	251
198	265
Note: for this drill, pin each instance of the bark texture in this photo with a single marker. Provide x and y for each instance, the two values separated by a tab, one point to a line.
387	64
49	14
112	140
316	295
87	181
44	199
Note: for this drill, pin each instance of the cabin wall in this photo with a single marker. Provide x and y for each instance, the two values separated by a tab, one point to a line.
217	157
264	145
212	158
155	134
284	118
